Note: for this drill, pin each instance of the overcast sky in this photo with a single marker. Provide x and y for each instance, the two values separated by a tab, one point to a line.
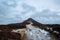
43	11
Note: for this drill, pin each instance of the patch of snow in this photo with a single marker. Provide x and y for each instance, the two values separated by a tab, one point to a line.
34	33
18	30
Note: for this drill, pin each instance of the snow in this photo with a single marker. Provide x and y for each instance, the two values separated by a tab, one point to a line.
34	33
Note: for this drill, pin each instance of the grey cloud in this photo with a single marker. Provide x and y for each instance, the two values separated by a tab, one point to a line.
46	16
10	14
57	2
9	3
47	13
27	8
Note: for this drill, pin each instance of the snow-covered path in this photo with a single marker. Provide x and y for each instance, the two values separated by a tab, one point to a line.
34	33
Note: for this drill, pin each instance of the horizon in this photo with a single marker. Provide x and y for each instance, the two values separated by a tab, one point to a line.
30	19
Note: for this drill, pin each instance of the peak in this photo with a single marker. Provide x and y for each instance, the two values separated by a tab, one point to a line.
30	19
